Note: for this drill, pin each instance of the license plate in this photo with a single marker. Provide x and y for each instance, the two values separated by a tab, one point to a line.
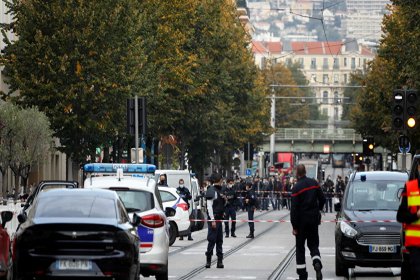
382	249
74	265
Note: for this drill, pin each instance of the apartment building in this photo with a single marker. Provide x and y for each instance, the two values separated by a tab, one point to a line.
327	66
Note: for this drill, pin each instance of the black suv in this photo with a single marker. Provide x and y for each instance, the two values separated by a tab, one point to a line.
366	232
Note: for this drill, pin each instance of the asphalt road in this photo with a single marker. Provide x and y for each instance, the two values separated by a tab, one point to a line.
269	256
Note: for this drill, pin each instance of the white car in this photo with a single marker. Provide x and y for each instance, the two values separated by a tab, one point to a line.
137	189
180	223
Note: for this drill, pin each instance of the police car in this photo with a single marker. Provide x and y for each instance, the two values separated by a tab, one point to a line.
180	223
137	189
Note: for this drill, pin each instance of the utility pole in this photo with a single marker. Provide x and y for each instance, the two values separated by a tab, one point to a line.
136	127
273	125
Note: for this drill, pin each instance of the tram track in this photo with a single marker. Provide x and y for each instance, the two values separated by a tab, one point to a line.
198	270
284	264
174	252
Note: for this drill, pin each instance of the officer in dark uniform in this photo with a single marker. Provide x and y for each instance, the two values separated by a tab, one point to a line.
215	211
230	211
307	202
185	194
250	203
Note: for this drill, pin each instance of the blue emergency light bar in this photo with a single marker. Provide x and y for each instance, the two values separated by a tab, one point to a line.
112	168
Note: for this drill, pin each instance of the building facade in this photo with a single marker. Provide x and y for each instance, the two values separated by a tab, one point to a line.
327	67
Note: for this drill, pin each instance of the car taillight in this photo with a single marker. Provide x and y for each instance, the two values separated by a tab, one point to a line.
183	206
153	221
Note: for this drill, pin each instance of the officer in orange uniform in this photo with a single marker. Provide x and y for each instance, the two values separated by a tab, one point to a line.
409	215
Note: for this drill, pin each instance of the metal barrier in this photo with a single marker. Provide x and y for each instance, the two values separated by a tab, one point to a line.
317	134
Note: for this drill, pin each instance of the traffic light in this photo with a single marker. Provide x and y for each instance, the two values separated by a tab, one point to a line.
368	146
398	108
412	103
141	113
248	151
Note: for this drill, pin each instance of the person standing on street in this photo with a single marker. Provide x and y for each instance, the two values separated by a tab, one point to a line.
307	202
230	208
328	189
185	194
215	211
250	203
409	215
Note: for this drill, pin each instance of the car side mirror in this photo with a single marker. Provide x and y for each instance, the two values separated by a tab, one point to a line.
170	212
136	221
22	217
6	216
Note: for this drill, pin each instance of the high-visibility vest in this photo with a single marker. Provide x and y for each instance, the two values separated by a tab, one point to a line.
412	231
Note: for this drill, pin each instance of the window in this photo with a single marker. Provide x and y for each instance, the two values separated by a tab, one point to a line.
167	196
300	61
325	65
136	201
336	113
336	78
353	63
345	62
325	78
288	61
73	206
336	99
313	63
325	97
325	112
122	213
336	65
345	78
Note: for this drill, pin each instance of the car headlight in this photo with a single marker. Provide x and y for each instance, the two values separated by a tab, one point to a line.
347	229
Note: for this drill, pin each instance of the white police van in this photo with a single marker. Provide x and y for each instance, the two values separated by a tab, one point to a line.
137	188
197	204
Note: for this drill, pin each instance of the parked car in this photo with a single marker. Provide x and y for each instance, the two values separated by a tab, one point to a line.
135	185
5	250
367	233
76	233
179	225
48	185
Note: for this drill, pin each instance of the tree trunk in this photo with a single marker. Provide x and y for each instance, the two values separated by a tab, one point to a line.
106	154
17	184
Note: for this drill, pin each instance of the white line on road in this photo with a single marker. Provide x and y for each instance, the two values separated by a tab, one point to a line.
230	277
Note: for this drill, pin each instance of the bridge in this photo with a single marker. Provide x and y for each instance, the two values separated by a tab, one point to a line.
316	140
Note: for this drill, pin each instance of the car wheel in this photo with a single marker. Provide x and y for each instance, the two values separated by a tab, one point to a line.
340	267
173	233
163	275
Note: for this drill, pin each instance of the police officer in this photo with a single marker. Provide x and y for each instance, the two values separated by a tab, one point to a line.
409	214
307	202
215	212
250	203
185	194
230	211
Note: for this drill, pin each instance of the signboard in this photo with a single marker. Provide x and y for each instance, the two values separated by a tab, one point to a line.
248	172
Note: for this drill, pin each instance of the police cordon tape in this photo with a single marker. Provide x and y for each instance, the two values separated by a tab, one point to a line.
288	221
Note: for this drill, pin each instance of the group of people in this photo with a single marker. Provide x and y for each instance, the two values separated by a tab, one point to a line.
307	200
333	191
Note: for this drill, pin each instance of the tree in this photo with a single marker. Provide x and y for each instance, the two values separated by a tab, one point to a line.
289	112
77	61
396	66
25	139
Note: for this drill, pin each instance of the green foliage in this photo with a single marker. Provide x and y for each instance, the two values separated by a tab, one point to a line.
77	61
397	66
289	112
190	58
25	138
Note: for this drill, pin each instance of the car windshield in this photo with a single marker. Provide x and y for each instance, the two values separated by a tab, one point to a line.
373	195
75	207
136	200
